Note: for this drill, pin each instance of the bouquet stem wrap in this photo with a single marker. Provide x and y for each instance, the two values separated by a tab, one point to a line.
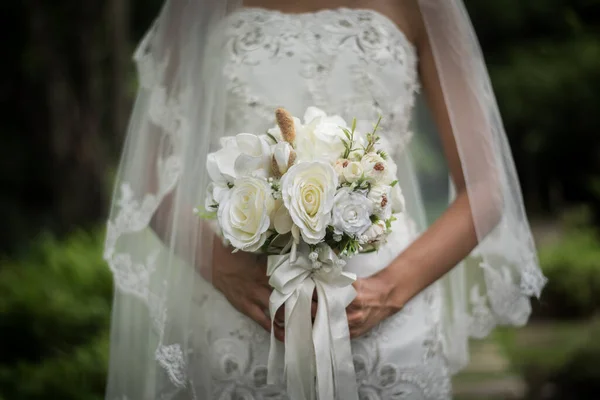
321	350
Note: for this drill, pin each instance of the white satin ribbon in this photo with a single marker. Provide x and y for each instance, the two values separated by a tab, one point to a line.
321	353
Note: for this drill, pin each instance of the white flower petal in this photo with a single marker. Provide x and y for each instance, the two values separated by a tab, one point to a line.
312	113
283	221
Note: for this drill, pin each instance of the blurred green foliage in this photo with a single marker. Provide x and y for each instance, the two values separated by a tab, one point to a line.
558	361
559	355
54	317
573	269
544	61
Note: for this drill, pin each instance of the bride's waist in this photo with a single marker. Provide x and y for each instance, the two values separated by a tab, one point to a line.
366	264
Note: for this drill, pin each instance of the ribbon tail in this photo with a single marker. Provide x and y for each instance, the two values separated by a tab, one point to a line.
333	328
275	302
322	343
299	356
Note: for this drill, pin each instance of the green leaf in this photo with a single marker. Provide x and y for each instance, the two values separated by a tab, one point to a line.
377	124
272	138
388	222
394	183
203	213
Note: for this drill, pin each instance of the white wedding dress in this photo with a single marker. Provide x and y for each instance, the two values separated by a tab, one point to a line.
338	60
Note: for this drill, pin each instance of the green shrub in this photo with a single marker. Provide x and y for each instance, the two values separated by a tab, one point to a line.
573	268
558	361
54	318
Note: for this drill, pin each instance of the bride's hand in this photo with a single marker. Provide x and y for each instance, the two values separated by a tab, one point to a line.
242	278
374	303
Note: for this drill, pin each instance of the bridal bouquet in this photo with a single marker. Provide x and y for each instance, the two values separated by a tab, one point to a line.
310	194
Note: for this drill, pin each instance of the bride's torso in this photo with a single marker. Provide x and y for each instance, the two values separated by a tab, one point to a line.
351	62
357	64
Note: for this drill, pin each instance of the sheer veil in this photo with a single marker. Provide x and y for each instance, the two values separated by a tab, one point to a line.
158	250
494	284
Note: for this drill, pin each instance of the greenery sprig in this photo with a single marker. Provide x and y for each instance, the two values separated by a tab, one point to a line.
349	143
373	138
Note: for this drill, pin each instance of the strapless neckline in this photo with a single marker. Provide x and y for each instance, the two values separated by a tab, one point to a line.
387	21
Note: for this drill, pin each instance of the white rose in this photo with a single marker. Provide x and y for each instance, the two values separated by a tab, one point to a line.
398	201
374	167
351	212
353	171
321	136
381	195
374	233
244	215
307	190
282	157
254	158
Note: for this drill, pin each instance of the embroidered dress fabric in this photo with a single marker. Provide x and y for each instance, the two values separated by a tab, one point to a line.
210	69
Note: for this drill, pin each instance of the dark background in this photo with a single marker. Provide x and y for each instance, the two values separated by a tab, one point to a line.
66	90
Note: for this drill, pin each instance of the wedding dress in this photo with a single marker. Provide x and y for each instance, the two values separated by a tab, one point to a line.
335	60
174	336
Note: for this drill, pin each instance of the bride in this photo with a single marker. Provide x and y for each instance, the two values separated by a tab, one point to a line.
190	318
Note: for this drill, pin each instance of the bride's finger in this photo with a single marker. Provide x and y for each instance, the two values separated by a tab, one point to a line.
355	318
279	333
262	295
258	315
280	315
355	305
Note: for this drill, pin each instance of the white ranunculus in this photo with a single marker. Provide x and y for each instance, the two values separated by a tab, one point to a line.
351	212
391	172
353	171
339	169
374	167
307	190
381	195
398	201
244	214
255	156
374	233
321	137
282	155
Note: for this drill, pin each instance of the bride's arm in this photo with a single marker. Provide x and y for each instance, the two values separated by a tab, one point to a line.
453	235
241	277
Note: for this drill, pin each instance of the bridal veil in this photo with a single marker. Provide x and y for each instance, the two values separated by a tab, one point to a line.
157	248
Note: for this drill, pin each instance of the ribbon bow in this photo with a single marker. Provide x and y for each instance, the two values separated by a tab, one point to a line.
323	350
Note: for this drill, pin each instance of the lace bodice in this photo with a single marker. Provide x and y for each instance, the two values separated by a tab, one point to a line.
354	63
